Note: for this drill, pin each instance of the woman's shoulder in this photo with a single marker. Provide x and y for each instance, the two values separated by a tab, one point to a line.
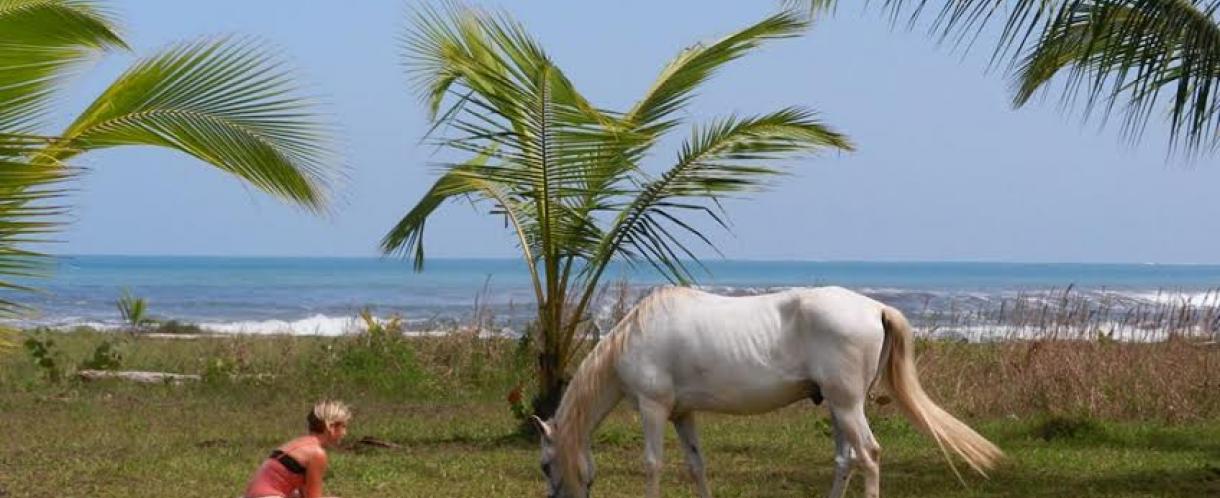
306	441
304	446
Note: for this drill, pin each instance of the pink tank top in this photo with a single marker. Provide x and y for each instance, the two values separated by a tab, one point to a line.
274	478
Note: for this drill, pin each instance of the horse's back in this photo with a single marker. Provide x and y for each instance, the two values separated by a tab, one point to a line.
841	313
698	315
827	310
742	354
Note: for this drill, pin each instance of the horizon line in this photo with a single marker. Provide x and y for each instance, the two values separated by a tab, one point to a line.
705	260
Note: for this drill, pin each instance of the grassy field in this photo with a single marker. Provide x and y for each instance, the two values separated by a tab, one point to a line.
454	434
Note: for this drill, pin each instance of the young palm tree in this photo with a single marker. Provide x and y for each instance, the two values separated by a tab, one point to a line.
225	102
133	310
569	177
1132	56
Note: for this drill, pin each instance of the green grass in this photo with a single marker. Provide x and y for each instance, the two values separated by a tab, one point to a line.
118	441
111	440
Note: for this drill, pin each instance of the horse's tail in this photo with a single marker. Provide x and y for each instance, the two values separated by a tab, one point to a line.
902	381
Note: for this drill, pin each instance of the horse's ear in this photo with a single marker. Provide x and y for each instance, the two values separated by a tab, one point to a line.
542	427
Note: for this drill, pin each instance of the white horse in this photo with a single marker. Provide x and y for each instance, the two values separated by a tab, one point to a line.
682	351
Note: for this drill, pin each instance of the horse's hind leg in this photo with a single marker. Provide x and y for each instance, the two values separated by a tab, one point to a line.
865	452
843	460
689	438
855	447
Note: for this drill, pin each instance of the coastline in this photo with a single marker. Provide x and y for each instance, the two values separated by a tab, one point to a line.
1071	314
324	296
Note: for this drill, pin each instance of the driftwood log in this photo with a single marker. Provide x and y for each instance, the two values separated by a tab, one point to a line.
157	377
138	376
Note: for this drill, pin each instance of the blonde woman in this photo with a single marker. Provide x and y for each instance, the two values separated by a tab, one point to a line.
295	468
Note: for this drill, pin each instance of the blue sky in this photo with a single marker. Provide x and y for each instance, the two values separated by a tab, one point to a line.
946	170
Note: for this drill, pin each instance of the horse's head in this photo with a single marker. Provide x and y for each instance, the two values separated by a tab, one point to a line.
564	478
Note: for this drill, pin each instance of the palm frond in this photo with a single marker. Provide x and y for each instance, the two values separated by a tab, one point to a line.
1137	54
406	237
615	172
727	157
39	41
470	180
506	94
814	6
29	190
1134	55
225	102
678	81
485	54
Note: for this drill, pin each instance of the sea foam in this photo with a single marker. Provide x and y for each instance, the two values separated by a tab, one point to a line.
320	325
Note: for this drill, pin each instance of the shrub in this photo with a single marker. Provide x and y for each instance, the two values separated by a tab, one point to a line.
106	356
219	370
380	358
1063	427
46	356
176	327
231	358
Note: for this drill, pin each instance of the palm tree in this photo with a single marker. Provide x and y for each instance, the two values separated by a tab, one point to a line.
133	310
568	176
225	102
1132	57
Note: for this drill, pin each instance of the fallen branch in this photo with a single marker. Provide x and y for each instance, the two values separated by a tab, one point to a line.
371	441
138	376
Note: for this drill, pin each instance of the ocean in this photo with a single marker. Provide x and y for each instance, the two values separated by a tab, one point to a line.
323	295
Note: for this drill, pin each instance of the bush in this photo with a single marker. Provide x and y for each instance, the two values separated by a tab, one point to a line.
176	327
219	370
106	356
46	356
1061	427
380	358
231	358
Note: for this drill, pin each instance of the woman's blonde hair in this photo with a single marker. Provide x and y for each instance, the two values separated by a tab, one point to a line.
326	413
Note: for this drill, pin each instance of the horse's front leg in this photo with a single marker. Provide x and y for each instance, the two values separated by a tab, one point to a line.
653	415
685	425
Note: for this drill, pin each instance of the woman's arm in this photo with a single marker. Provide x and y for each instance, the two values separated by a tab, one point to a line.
314	470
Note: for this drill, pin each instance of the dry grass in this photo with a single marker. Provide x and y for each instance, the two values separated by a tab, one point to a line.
1078	354
1171	381
1075	315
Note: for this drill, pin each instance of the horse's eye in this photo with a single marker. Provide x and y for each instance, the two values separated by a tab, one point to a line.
546	470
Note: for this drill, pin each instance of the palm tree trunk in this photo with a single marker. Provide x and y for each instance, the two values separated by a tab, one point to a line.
552	378
552	382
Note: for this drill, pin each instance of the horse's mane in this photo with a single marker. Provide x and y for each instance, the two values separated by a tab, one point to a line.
574	419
